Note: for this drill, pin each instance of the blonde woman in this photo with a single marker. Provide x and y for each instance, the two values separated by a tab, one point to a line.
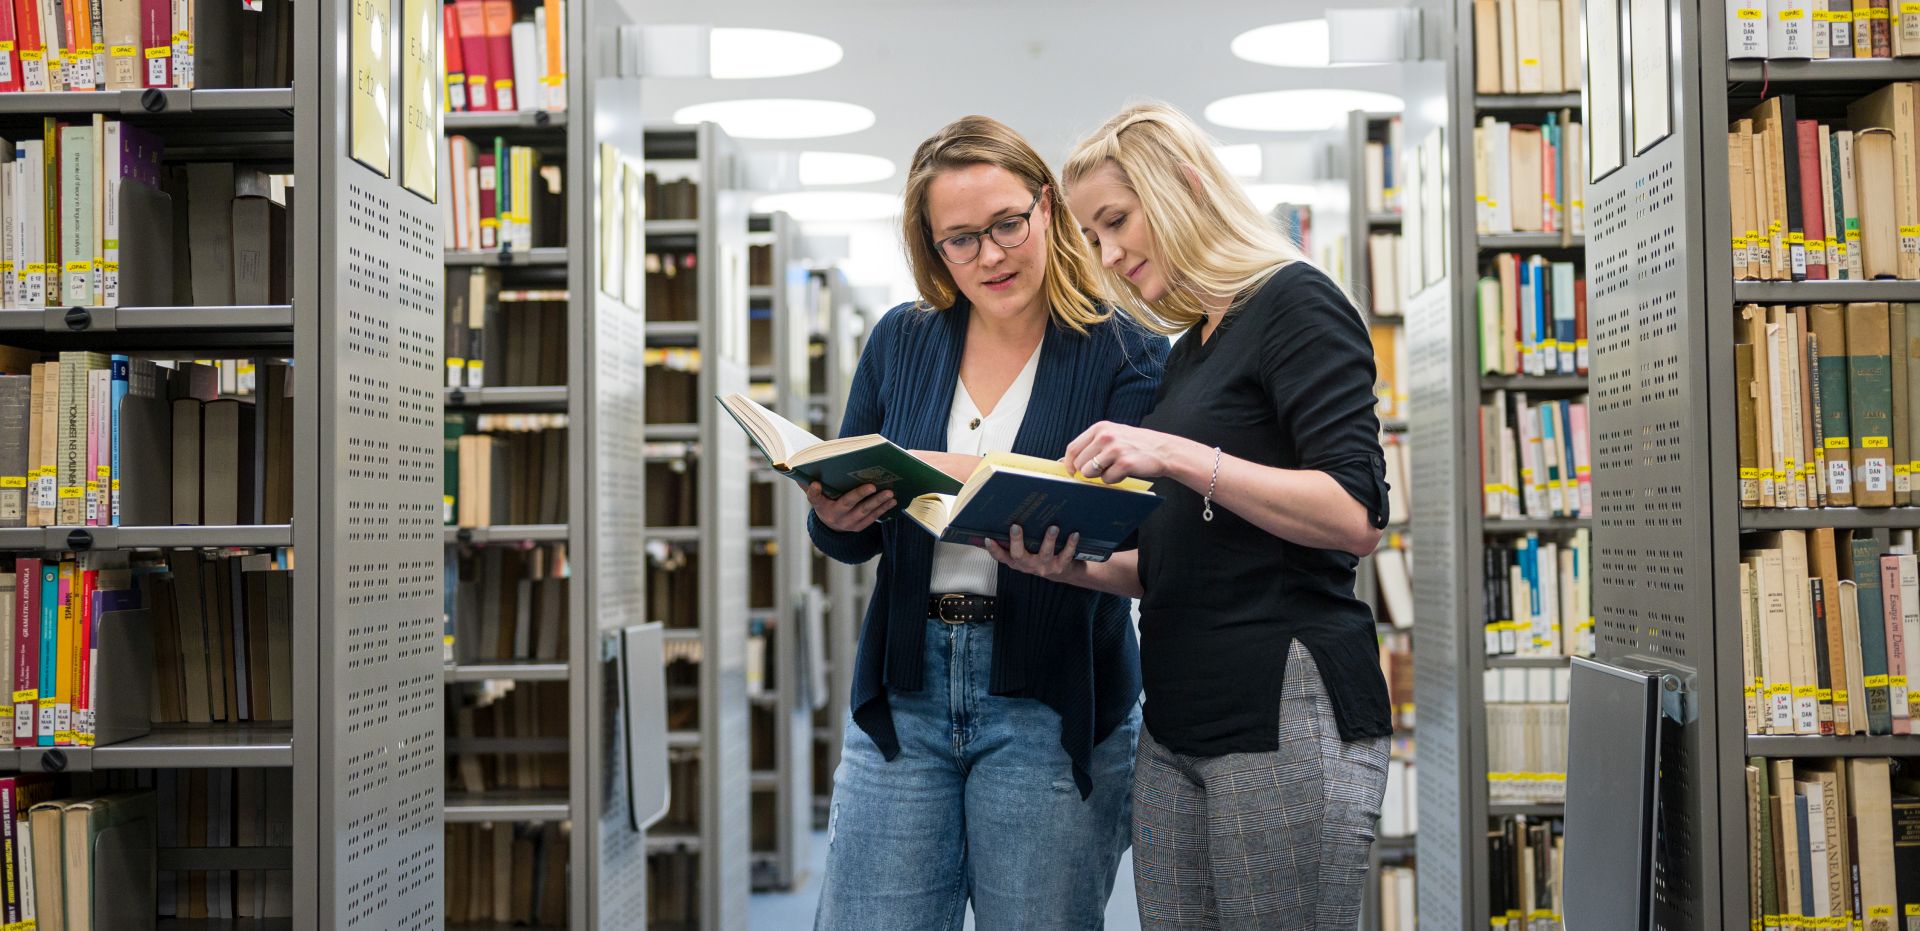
990	750
1263	759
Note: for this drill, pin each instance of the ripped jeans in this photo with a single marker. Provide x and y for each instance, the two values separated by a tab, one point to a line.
979	805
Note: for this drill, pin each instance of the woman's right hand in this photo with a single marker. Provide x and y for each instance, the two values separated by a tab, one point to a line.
852	512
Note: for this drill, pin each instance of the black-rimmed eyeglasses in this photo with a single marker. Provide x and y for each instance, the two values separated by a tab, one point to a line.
1006	232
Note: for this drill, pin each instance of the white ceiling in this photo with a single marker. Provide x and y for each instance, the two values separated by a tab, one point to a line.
1052	69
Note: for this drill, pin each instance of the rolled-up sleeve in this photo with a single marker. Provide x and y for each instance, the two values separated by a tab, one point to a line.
864	413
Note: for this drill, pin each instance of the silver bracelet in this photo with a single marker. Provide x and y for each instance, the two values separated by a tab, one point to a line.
1206	505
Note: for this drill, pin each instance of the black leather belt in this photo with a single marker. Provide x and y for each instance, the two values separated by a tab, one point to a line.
961	609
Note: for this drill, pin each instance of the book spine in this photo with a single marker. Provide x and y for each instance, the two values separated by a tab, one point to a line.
64	664
456	71
83	656
49	653
121	370
26	651
113	171
32	49
1807	137
96	408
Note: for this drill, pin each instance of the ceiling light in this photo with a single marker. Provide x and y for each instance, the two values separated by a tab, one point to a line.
1268	196
1299	44
1241	161
770	53
830	206
773	118
834	168
1297	110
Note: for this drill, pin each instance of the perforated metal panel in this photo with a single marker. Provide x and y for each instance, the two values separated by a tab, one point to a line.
380	553
1653	537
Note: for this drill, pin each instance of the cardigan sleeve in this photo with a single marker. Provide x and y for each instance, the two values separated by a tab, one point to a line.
1136	381
864	413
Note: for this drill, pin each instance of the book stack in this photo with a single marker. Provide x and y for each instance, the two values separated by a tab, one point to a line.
1539	596
113	45
1396	898
501	197
507	874
1816	201
1534	457
1526	871
222	636
1530	178
509	603
1822	29
676	199
1526	46
1383	264
1832	841
1533	317
208	808
1826	405
1830	622
528	326
1526	735
1379	165
498	58
506	469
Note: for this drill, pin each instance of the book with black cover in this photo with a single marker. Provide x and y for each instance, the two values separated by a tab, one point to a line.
1009	489
838	465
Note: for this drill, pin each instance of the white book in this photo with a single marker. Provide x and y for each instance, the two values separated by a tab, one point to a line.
1576	157
31	224
1526	39
1548	12
1563	313
1849	206
1910	623
1500	176
1546	638
525	62
1533	478
539	94
1482	187
9	285
1572	51
110	217
1817	846
1789	29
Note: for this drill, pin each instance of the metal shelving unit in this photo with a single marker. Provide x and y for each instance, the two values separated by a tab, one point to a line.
718	239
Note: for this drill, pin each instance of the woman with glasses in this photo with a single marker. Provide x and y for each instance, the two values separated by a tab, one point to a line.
990	750
1263	760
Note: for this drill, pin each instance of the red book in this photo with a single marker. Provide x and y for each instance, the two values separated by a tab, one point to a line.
30	48
9	54
456	62
156	42
26	651
1580	325
472	18
1813	211
499	23
10	853
83	658
489	219
1549	221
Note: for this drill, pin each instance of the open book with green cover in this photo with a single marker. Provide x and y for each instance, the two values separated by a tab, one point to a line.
838	465
1009	489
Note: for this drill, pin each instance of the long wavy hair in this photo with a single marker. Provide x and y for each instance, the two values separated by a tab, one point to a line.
1212	240
1070	282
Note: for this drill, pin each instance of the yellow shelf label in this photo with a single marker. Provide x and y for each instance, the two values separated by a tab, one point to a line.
1839	442
1879	911
27	695
1806	691
1873	442
161	51
1910	231
1786	15
125	51
13	481
1753	14
69	492
1825	695
1795	239
1876	682
77	267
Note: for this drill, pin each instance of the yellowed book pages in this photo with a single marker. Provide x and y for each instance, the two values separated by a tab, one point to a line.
1509	52
1873	155
1524	172
1739	190
1870	786
1526	37
1892	107
1486	47
1776	665
1550	71
1800	641
1766	439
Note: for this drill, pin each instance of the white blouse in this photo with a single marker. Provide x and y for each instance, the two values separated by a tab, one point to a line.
958	568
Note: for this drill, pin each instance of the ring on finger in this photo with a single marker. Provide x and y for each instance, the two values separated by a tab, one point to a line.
1093	467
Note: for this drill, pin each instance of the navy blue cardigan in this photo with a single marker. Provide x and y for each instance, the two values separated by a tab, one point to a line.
1069	647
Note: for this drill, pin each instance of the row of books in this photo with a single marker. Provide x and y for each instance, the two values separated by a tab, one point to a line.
508	603
507	874
497	61
1399	808
673	385
1533	317
62	856
1390	371
524	711
1535	458
1826	408
502	197
1816	201
677	199
1526	46
222	636
1832	842
1526	866
673	585
673	290
528	327
1822	29
1385	293
69	45
1393	575
1539	596
1530	178
505	469
210	808
1380	164
1397	900
1526	751
1830	631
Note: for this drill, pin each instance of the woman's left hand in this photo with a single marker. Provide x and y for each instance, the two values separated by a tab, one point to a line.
1050	564
1112	452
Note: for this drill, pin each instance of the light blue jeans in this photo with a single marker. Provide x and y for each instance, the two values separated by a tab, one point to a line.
980	804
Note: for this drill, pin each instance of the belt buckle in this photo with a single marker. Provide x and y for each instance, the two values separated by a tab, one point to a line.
944	599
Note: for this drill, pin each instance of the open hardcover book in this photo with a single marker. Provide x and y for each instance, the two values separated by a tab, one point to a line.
838	465
1009	489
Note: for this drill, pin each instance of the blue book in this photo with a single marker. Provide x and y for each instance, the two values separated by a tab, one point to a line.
1563	314
1805	832
1542	320
121	368
49	650
1009	489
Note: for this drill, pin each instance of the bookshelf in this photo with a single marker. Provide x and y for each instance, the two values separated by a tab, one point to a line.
700	856
1455	677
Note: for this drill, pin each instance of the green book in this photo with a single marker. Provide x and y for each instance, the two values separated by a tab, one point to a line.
455	427
1870	404
1827	328
1035	494
1867	550
838	465
1769	890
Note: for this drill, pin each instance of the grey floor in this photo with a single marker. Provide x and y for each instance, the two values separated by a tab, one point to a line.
794	910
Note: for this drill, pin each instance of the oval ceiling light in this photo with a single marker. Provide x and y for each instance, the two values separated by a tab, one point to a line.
1241	161
835	168
1312	110
830	206
769	53
776	118
1299	44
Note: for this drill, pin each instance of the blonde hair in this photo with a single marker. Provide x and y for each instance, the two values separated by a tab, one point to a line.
1211	237
1070	282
